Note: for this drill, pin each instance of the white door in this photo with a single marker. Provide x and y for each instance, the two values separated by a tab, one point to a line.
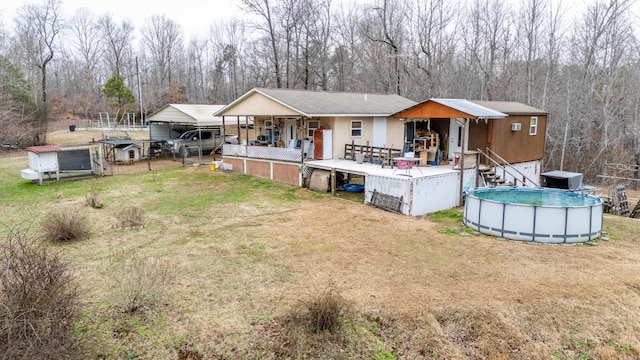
455	137
379	131
289	131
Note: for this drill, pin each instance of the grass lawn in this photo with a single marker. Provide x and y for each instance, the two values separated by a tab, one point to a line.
238	259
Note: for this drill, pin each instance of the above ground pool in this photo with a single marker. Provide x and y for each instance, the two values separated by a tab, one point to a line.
541	215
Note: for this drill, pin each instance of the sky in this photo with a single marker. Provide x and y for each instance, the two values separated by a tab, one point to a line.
194	16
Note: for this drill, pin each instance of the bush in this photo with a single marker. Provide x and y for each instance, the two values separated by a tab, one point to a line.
65	226
38	301
131	217
93	201
325	310
140	282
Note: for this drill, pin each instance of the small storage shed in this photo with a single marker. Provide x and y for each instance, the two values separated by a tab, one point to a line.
42	160
68	162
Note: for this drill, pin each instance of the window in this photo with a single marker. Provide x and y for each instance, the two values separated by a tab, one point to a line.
356	128
312	126
533	126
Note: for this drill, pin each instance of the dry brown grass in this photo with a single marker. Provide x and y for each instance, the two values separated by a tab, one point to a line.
240	270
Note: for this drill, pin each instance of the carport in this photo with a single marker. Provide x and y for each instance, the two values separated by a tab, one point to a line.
174	119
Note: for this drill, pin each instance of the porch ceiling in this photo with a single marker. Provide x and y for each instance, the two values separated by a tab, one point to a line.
448	108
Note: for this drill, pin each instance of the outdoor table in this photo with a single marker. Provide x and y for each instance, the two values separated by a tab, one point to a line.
406	164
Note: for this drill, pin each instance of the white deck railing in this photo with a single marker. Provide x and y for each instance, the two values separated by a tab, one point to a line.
262	152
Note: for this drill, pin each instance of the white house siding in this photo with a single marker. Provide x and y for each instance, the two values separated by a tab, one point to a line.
530	168
394	135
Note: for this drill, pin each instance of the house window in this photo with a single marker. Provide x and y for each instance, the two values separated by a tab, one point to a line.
312	126
356	128
533	126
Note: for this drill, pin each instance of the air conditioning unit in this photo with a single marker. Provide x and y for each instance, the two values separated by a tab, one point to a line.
516	127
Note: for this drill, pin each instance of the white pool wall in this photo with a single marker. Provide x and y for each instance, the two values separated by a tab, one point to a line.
537	223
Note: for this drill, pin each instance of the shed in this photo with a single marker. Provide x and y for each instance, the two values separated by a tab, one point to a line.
42	160
74	161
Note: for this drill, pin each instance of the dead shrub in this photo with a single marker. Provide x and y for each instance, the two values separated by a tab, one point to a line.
38	301
324	311
131	217
61	226
139	281
93	201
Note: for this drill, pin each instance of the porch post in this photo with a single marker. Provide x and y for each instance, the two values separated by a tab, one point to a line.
238	129
246	127
462	151
304	132
333	181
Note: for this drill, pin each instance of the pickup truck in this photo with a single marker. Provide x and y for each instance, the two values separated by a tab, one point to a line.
192	140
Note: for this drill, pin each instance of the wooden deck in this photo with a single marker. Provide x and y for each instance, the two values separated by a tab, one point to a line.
352	167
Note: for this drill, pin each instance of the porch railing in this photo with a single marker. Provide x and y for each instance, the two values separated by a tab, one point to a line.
263	152
371	153
507	168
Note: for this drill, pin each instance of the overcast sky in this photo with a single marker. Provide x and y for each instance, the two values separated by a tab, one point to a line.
194	16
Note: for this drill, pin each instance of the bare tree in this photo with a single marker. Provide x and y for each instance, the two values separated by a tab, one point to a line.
37	27
488	45
434	41
264	9
386	27
603	40
228	41
162	42
117	40
86	31
88	49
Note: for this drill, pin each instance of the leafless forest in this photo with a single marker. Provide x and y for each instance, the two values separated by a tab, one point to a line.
579	63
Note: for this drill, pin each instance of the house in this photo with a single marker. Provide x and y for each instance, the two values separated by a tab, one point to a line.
293	126
443	142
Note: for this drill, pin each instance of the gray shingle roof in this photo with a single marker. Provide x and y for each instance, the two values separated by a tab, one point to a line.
510	107
325	103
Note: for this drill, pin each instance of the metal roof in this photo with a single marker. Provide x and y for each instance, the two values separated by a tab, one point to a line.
325	103
43	149
510	107
471	108
119	142
194	114
198	112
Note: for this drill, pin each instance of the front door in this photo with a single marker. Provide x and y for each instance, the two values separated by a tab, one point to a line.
379	131
289	131
455	137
